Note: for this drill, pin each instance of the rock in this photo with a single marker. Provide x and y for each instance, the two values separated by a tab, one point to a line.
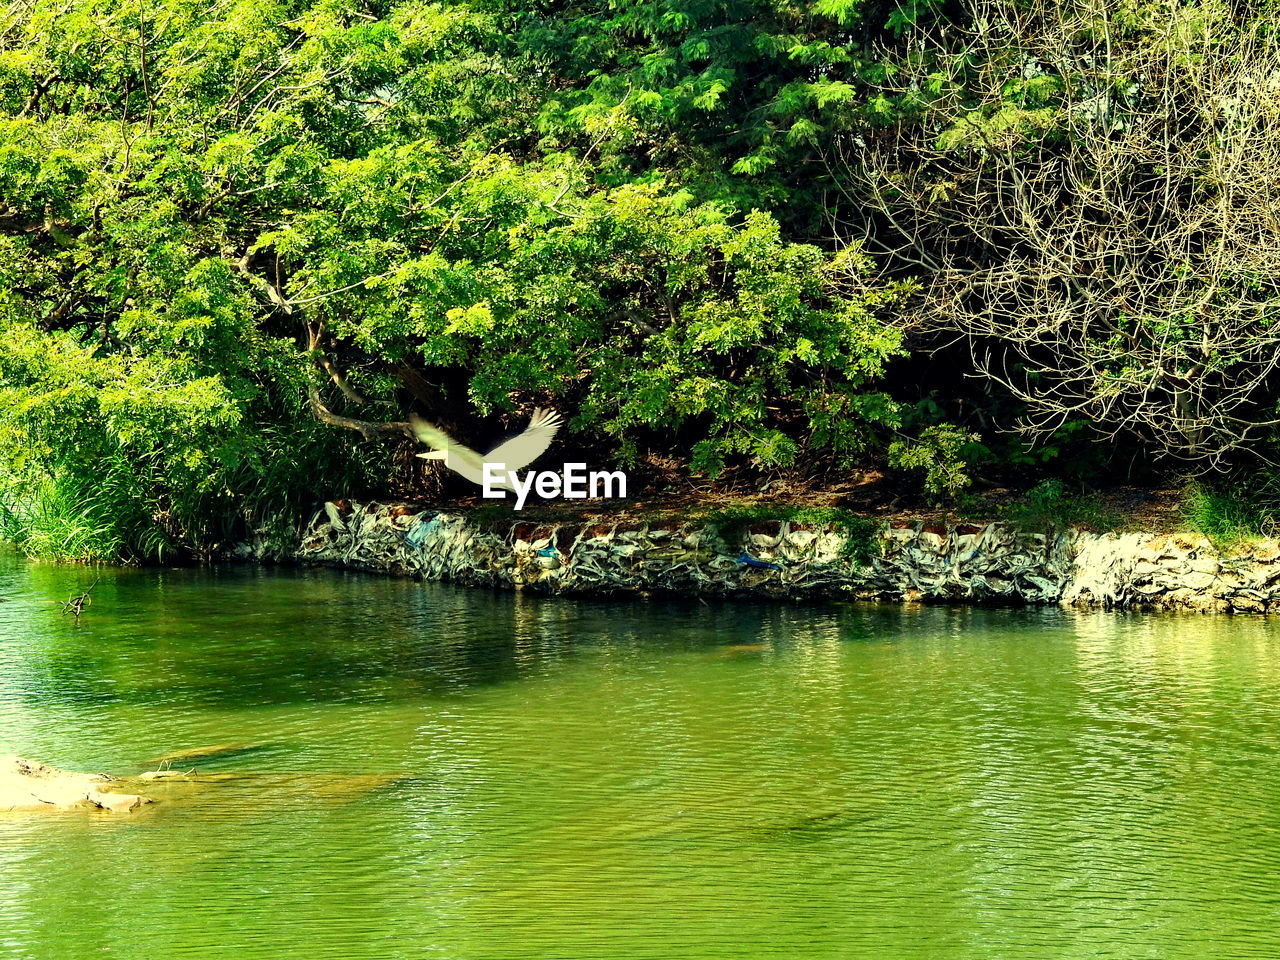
1267	552
29	785
1199	581
120	802
335	518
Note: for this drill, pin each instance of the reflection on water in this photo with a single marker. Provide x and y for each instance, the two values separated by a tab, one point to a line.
437	772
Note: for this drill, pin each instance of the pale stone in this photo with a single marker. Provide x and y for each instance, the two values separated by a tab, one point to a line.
26	785
117	802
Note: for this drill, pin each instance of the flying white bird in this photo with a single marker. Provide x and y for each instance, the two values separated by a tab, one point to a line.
519	451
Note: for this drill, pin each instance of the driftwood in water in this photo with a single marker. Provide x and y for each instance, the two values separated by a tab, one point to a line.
75	605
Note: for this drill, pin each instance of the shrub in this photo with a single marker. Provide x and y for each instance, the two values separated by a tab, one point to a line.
942	453
1050	507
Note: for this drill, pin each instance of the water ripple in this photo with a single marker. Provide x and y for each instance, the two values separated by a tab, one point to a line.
439	773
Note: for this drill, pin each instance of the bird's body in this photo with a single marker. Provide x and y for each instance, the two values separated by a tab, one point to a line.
465	468
511	455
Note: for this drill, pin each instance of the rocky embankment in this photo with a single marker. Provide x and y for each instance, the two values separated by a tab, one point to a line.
904	562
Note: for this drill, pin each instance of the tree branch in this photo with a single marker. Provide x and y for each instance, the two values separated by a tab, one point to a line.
368	429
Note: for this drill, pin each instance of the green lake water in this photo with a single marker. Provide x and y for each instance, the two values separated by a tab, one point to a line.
435	772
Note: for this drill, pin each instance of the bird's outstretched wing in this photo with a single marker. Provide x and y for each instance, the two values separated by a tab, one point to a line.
524	448
437	439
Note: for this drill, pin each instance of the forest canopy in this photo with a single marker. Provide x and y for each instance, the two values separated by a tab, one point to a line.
241	243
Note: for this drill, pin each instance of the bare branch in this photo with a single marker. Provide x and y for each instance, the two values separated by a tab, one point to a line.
1107	239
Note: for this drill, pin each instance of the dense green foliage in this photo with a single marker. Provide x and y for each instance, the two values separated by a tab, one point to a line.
241	242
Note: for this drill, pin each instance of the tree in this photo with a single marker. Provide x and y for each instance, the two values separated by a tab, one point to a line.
239	242
1088	194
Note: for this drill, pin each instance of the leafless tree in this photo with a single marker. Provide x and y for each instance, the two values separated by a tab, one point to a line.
1089	194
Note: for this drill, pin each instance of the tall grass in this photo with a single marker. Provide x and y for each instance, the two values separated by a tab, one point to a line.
56	521
93	519
140	508
1231	518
